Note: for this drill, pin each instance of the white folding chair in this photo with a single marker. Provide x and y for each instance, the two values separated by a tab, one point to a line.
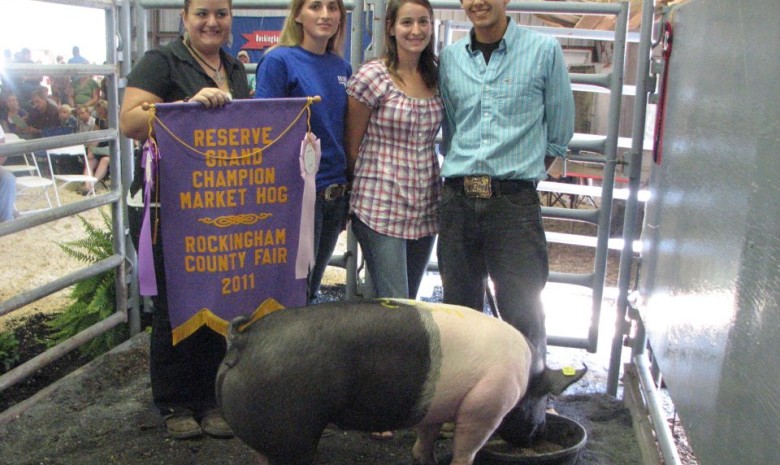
26	167
65	179
32	179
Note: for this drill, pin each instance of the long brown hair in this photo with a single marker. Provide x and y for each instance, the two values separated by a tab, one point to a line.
429	63
292	31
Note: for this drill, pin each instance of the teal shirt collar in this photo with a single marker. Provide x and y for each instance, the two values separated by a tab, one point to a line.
512	30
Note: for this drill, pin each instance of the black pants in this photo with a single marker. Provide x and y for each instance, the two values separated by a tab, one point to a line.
183	375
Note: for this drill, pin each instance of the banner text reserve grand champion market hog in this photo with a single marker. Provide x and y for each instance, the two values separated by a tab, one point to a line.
377	365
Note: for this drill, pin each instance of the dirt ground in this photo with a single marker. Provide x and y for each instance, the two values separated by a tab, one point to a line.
102	413
31	258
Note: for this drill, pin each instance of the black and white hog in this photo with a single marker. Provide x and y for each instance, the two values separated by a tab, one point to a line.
378	365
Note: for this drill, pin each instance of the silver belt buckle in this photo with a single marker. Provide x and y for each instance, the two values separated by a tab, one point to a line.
478	187
333	191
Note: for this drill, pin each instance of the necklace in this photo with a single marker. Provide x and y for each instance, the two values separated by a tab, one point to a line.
218	78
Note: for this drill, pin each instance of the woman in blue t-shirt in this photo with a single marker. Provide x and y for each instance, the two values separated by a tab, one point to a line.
307	62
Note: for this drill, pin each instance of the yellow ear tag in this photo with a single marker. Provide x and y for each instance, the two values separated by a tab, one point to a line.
568	371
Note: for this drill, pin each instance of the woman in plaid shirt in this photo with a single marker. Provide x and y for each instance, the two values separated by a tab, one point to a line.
393	117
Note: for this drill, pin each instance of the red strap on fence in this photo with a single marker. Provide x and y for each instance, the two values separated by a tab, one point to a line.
661	109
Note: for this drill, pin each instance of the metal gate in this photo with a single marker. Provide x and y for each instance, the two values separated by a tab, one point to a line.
118	260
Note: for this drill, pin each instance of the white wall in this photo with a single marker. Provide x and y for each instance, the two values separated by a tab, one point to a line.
51	29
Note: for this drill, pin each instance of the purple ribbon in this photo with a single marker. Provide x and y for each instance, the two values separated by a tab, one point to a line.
146	274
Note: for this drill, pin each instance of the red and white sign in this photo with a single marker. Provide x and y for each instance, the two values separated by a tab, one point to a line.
258	40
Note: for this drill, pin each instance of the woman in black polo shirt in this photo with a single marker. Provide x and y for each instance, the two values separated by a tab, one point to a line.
193	68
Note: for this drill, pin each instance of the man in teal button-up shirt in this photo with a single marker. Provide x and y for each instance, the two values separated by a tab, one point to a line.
508	105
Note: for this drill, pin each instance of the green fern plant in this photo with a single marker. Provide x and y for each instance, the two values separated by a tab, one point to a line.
9	350
94	299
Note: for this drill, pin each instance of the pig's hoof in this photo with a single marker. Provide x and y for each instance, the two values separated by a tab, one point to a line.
382	435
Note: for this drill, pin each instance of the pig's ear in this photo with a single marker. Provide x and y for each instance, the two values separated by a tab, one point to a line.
556	381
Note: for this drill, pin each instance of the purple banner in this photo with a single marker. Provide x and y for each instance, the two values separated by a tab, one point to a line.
232	199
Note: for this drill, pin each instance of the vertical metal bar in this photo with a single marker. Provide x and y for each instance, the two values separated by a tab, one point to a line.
447	32
356	58
126	162
127	9
632	203
141	32
663	435
118	207
608	174
377	29
358	23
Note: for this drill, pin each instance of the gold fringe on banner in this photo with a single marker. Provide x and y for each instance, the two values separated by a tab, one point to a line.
207	318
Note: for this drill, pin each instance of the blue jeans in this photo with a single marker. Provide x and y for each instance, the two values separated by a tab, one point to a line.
501	237
396	265
7	195
330	218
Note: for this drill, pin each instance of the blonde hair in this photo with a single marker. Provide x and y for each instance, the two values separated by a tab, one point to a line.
292	31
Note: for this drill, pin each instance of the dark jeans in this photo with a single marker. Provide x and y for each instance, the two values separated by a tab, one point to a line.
396	265
183	375
501	237
330	218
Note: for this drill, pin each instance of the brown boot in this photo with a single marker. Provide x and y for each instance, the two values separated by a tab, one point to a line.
215	425
182	425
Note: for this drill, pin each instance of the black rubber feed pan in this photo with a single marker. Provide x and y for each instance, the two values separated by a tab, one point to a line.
561	445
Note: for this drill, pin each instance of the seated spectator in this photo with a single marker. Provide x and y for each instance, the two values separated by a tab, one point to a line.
68	122
84	91
7	189
101	115
60	85
99	162
97	154
44	114
104	89
24	85
103	81
3	107
16	117
84	120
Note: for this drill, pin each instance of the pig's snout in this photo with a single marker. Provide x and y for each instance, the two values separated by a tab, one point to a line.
524	424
